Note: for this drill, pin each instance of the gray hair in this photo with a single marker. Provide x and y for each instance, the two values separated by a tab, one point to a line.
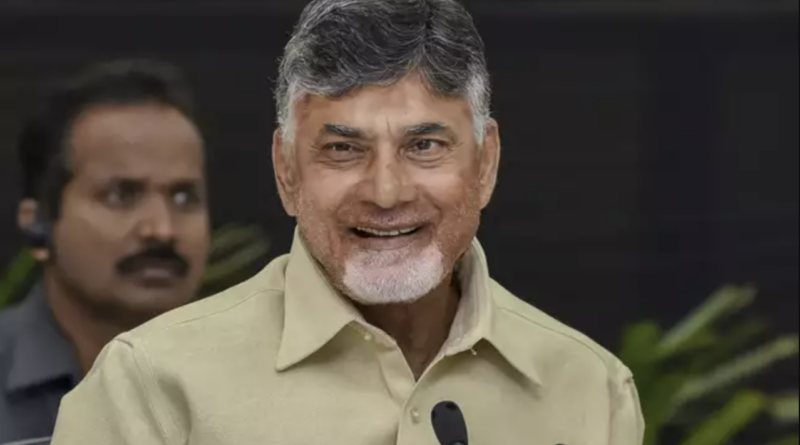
341	45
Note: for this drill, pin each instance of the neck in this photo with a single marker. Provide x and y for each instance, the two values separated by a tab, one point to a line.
87	332
420	328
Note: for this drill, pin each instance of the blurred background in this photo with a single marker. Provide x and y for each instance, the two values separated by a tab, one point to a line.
650	159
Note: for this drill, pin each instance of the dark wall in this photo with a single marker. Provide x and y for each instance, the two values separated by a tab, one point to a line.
646	160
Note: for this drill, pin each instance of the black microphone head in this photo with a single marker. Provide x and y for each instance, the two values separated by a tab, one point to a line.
449	424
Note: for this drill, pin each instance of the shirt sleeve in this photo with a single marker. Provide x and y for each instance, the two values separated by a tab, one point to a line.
112	404
627	421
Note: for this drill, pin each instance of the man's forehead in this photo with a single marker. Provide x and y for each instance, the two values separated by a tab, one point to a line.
397	107
131	142
124	155
132	164
133	123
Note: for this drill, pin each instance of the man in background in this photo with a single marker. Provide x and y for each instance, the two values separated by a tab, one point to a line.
115	211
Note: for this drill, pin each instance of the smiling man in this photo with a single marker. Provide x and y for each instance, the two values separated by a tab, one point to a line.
384	309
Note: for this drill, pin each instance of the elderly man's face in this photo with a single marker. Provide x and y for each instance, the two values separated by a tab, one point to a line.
387	184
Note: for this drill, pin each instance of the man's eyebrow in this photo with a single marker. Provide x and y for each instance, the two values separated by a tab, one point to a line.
423	129
130	180
186	182
342	131
427	128
116	179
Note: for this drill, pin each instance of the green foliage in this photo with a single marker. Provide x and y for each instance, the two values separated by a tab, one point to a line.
16	280
693	378
236	252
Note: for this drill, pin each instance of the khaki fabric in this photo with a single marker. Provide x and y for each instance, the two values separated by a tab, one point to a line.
282	359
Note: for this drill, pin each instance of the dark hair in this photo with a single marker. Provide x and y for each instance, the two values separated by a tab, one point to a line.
340	45
42	146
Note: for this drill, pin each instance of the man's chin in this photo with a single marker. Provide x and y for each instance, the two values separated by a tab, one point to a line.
154	300
393	278
378	300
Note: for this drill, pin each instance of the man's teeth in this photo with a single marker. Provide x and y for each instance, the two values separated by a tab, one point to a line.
386	233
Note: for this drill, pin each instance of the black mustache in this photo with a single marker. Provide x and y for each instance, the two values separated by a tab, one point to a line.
161	253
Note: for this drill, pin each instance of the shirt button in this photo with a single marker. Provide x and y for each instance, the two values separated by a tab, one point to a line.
415	416
368	337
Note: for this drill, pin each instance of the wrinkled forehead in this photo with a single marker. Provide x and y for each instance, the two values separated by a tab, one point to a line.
136	142
383	111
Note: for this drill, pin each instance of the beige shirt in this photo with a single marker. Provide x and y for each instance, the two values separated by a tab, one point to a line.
283	360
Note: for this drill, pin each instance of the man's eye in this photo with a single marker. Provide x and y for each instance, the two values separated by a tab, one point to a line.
339	147
427	147
342	151
186	198
121	195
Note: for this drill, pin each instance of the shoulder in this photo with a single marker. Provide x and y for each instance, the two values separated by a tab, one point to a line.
8	322
555	344
9	325
192	346
255	301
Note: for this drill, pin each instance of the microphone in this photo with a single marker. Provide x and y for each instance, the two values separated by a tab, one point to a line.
449	424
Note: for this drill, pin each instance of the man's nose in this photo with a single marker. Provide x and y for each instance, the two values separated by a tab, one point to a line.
388	184
157	220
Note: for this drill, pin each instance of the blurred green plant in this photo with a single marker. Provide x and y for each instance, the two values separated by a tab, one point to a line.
236	252
15	281
693	379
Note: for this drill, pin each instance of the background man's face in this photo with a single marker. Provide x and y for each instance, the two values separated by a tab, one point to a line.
133	233
387	184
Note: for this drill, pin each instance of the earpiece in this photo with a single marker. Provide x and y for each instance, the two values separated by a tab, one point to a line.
37	235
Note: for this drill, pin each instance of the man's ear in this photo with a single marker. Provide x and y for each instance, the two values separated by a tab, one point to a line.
27	213
490	161
28	220
285	172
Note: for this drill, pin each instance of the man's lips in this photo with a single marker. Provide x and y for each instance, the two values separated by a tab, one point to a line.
157	269
385	232
381	239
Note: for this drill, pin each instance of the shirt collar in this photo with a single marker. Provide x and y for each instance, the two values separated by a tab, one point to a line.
315	313
40	352
481	319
